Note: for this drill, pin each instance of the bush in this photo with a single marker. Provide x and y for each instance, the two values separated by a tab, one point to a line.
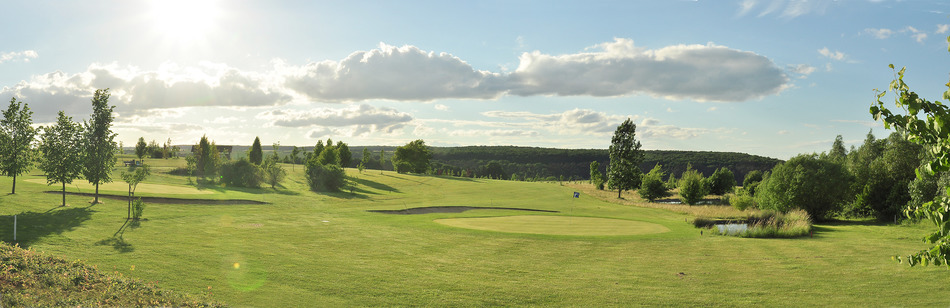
818	186
752	180
692	186
741	200
137	208
241	173
652	187
325	177
721	182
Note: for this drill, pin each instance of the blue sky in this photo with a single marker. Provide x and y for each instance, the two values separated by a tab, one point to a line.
771	78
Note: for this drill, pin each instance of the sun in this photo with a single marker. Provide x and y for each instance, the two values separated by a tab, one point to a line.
184	20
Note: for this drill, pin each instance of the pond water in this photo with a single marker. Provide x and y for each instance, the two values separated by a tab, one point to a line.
732	228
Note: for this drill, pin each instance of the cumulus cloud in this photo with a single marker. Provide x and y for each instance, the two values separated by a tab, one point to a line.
24	56
577	121
834	55
700	72
914	33
404	73
441	107
651	128
134	91
941	29
802	69
361	118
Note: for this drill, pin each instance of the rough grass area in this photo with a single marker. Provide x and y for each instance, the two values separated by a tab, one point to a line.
556	225
122	187
28	278
765	224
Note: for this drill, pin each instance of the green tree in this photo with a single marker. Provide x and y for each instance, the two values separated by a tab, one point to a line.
932	130
752	180
653	187
99	142
415	155
329	156
838	153
273	172
817	186
62	152
208	159
141	149
692	186
317	149
16	139
241	173
721	182
256	154
293	154
625	158
596	177
345	155
133	177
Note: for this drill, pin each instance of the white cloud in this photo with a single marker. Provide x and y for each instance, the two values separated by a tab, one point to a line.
404	73
577	121
651	128
700	72
711	109
745	6
494	133
802	69
834	55
24	56
361	118
441	107
941	29
134	91
882	33
783	132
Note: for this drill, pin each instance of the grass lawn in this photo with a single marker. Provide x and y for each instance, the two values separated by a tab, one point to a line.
308	249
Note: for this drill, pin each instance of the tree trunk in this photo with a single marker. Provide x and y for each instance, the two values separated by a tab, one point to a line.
14	185
129	215
619	191
64	193
96	201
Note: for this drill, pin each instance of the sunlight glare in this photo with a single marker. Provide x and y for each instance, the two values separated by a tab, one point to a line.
184	20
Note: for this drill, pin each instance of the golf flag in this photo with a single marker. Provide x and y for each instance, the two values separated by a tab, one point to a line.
577	194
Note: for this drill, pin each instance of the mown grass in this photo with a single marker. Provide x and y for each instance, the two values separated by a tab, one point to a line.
312	249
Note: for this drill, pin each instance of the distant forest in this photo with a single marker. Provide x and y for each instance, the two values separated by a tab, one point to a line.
530	163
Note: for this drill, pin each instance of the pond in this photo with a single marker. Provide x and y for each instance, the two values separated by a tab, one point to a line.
730	229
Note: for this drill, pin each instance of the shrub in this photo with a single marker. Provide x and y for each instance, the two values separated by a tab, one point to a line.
241	173
273	172
137	208
818	186
324	177
721	182
652	187
741	200
692	186
752	179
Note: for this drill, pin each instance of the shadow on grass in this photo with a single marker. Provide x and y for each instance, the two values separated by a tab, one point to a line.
32	226
117	241
373	185
456	178
403	177
265	188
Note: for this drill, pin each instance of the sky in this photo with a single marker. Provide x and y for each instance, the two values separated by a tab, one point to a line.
773	78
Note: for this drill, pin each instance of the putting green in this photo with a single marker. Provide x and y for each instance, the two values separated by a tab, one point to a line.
123	187
556	225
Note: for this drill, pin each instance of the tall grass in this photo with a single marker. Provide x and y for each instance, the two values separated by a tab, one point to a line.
765	224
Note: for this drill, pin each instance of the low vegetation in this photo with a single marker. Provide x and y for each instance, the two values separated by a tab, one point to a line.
32	279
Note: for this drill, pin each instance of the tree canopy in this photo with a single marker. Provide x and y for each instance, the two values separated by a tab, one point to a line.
99	142
415	155
62	152
16	139
807	182
625	158
256	154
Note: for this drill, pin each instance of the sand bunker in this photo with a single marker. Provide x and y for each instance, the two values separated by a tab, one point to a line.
451	209
556	225
165	200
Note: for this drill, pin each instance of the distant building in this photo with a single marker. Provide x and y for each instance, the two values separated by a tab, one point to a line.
223	150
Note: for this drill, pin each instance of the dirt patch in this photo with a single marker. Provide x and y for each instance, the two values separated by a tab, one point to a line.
452	209
164	200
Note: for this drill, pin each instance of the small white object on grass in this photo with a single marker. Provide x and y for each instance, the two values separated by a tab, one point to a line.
326	221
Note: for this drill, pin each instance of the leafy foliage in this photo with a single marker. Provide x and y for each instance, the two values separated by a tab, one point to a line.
596	176
415	154
141	148
752	180
652	186
932	130
62	152
325	177
721	182
133	177
818	186
99	142
138	207
273	172
692	186
343	150
256	154
625	158
16	139
241	173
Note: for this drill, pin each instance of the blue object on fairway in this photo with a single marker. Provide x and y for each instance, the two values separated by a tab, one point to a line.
577	194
